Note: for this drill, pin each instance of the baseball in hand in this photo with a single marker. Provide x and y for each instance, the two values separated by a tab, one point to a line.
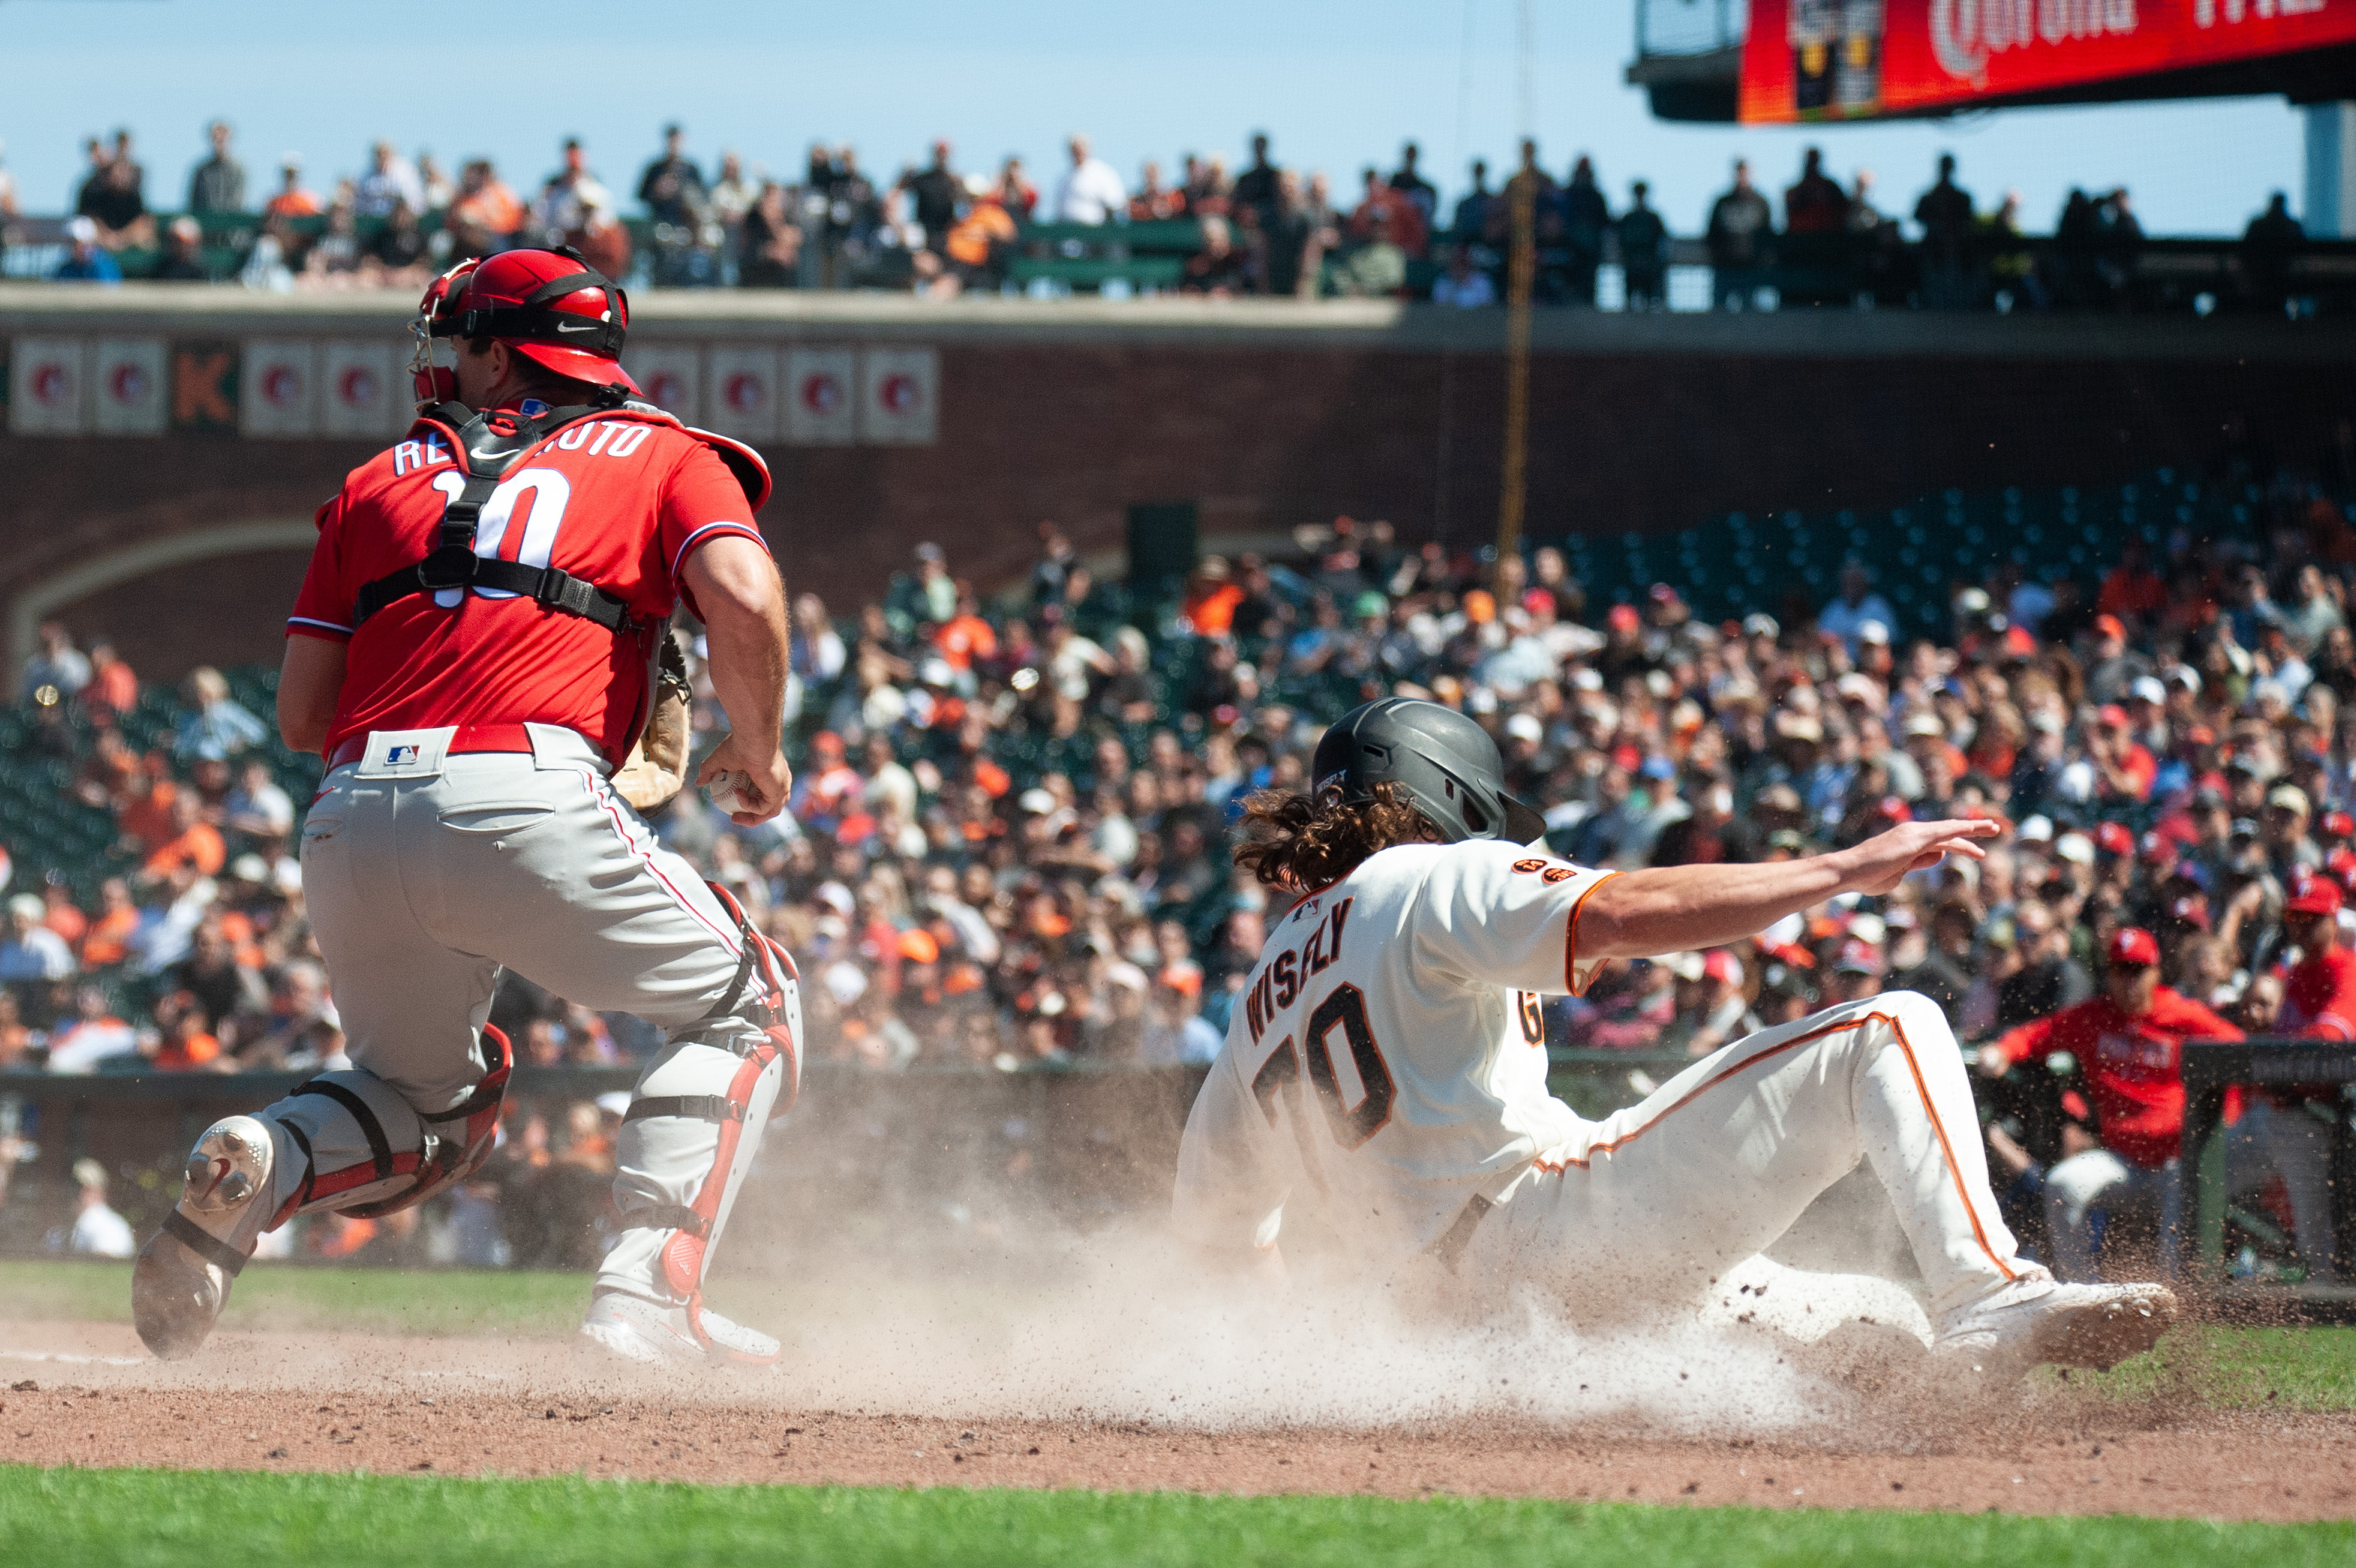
723	788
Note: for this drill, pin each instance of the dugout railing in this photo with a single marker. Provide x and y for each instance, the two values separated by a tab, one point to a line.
2307	1078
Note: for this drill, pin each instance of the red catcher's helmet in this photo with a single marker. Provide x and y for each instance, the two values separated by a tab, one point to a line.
550	306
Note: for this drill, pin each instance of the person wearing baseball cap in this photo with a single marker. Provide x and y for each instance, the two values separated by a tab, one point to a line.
2123	766
2128	1044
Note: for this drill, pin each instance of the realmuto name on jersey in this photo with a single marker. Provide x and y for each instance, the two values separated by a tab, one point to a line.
1279	983
600	437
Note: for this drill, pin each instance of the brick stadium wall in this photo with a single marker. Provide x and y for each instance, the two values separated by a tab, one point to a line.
1266	416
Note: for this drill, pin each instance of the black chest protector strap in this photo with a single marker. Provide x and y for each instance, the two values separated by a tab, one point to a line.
488	445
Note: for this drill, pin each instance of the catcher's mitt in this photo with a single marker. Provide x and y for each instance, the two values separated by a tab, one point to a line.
655	769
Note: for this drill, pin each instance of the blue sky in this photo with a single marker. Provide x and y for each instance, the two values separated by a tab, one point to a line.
1337	82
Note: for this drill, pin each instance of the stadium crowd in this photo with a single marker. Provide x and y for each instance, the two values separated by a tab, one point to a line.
1006	843
1261	229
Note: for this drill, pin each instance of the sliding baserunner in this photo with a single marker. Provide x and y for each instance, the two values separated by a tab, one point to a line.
1386	1067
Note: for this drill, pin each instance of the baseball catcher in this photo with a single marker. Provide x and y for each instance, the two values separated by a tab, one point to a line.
1385	1069
480	649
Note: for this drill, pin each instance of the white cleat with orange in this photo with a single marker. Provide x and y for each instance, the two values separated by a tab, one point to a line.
652	1334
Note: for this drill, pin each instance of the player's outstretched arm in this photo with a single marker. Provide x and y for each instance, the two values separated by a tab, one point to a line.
736	586
1642	914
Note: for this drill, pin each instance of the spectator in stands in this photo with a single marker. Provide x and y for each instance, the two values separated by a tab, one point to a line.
483	216
1385	231
2270	248
1409	181
1856	607
218	184
1738	234
399	249
217	725
439	189
1015	191
1644	252
98	1231
1153	201
731	196
2131	590
184	254
1470	225
86	259
1585	217
291	200
1461	286
576	208
94	1037
1814	204
391	180
672	189
58	663
31	953
936	193
1946	214
113	198
1257	187
1091	190
1175	1034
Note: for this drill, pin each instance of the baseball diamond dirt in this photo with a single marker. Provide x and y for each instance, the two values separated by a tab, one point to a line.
86	1394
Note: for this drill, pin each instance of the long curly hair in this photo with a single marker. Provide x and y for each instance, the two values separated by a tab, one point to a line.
1299	840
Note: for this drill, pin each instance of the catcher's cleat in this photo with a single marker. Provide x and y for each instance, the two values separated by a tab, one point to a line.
182	1278
652	1334
2034	1321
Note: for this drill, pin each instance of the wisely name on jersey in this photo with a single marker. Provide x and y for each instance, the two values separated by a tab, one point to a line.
1388	1060
621	501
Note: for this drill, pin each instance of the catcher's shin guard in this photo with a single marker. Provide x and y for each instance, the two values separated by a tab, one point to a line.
691	1132
368	1151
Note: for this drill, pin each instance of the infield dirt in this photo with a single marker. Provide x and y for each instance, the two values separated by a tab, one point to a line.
87	1395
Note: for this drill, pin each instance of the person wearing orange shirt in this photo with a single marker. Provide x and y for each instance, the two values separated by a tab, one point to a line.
966	637
184	1044
144	812
291	200
108	941
113	688
62	917
1211	598
195	842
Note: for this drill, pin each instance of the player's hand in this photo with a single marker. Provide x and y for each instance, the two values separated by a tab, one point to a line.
1885	860
762	781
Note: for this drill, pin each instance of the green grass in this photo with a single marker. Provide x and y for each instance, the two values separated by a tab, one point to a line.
292	1296
2241	1368
58	1518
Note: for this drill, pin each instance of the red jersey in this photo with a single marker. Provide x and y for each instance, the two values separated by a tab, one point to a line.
620	501
2133	1067
2319	996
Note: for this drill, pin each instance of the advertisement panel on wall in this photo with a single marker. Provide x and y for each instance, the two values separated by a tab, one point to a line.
1831	59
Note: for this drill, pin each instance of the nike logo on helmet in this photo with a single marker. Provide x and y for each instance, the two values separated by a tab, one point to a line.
584	327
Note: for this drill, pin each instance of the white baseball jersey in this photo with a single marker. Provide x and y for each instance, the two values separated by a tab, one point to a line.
1388	1060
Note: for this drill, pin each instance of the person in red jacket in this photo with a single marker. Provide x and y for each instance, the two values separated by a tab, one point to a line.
2128	1044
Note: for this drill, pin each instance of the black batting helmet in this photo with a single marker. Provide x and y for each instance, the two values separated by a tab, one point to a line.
1439	758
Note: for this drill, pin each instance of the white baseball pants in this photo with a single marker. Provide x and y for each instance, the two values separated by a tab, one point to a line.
425	875
1656	1202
